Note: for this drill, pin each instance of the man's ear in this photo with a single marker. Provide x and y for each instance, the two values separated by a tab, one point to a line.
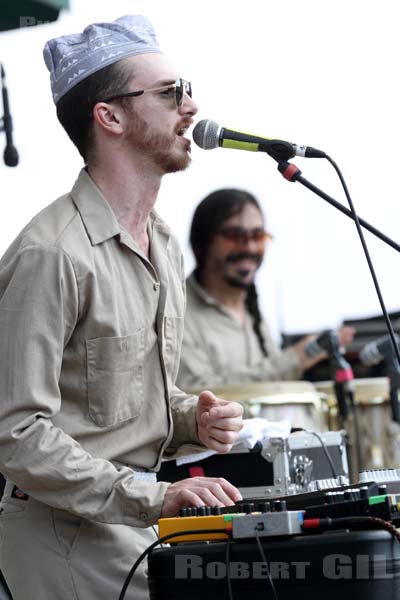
108	117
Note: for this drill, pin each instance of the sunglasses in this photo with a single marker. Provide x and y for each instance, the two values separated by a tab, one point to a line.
238	236
175	90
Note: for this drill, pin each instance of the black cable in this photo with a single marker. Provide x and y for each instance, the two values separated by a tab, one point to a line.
160	541
261	549
367	256
324	448
228	563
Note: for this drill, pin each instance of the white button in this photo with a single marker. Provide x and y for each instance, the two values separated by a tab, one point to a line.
156	286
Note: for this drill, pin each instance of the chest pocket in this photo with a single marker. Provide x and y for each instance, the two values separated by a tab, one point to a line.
115	378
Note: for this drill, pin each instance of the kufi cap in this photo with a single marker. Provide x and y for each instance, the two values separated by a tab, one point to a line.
72	58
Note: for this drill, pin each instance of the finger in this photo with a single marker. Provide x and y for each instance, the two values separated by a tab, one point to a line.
214	495
190	497
226	410
207	399
209	498
226	424
206	493
176	498
217	485
223	436
192	491
220	447
229	490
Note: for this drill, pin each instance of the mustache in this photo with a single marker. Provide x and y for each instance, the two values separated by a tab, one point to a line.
256	257
188	122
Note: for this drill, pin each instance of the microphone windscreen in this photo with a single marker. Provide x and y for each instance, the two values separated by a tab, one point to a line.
378	350
326	341
205	134
370	355
10	156
312	349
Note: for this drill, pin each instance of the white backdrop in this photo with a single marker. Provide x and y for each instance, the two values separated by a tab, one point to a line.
318	73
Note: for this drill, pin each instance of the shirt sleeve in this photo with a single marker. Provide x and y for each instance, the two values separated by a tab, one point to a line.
39	309
183	408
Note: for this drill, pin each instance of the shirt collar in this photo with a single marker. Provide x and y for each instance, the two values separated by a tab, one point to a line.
210	300
201	292
97	215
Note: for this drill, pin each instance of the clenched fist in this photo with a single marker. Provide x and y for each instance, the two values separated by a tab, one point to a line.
218	422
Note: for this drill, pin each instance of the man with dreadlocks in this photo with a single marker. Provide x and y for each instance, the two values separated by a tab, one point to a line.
226	339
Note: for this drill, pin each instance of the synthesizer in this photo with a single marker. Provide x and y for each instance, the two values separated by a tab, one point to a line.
291	515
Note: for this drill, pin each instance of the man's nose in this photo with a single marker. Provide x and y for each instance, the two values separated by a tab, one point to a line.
188	105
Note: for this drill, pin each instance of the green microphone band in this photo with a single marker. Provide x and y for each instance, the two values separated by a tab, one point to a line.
252	147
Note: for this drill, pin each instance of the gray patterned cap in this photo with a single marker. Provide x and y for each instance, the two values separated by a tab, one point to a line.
72	58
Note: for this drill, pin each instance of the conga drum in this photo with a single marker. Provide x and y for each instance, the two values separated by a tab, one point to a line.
298	401
373	417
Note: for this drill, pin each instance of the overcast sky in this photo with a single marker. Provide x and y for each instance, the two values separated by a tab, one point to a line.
318	73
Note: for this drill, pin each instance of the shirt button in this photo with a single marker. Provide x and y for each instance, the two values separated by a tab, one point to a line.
156	286
144	516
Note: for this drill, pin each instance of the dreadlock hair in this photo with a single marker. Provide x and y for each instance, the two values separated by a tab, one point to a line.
254	311
74	109
208	218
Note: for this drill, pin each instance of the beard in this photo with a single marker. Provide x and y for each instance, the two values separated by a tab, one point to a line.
238	281
241	278
160	147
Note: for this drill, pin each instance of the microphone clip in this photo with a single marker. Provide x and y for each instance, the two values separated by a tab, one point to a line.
289	171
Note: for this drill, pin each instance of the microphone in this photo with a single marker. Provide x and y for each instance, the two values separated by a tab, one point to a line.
341	371
328	341
382	350
208	135
378	350
10	155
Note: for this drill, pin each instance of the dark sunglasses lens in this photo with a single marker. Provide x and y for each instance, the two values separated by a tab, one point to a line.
231	235
238	238
242	237
259	236
179	92
182	87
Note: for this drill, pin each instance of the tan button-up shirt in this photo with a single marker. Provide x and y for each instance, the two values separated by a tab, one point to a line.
218	350
90	333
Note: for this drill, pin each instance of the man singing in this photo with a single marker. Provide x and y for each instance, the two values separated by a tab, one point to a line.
91	322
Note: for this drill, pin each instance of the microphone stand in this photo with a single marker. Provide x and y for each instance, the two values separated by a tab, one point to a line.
343	379
292	173
344	392
393	371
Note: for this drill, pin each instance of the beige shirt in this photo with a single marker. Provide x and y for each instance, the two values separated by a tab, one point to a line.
90	332
218	350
